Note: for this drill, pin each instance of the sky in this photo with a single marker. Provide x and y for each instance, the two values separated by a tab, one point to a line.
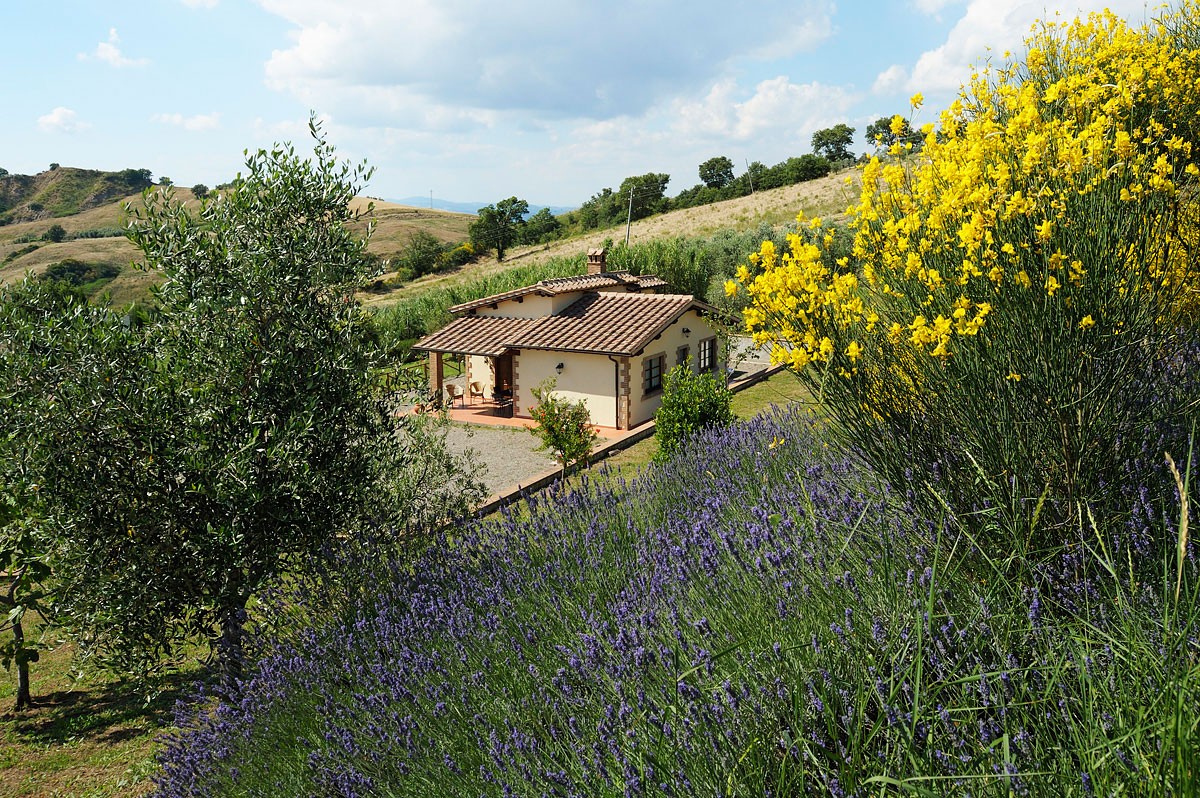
549	101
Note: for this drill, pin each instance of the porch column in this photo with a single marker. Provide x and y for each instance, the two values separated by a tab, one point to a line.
435	374
623	394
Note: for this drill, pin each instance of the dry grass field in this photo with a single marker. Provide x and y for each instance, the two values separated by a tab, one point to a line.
826	197
395	225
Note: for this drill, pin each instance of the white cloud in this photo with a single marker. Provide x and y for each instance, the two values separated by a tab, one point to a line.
777	108
932	7
293	130
198	122
569	59
110	53
890	80
990	28
61	120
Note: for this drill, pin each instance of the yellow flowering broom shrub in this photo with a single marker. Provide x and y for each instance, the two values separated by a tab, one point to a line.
1012	282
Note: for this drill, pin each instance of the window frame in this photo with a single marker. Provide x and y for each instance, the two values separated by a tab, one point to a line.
707	355
653	383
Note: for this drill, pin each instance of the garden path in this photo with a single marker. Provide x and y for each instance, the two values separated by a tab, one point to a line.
510	455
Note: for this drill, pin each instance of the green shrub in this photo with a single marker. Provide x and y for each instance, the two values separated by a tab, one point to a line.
422	255
78	273
459	256
16	253
564	427
691	402
98	232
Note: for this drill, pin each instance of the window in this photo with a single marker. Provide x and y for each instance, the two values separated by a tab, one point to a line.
708	354
652	373
681	356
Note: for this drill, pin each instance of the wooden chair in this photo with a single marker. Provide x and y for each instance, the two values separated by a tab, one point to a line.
476	390
454	392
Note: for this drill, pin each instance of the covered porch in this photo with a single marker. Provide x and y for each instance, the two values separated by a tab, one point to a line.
487	381
482	384
483	414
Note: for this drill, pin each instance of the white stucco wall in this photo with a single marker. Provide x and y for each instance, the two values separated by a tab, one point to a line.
593	378
590	378
532	306
642	407
479	369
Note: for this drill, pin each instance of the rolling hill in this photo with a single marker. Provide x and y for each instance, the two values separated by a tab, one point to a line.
64	191
827	196
93	230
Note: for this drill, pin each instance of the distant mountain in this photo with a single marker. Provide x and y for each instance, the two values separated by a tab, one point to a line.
472	207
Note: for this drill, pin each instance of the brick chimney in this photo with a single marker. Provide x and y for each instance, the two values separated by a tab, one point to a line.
596	262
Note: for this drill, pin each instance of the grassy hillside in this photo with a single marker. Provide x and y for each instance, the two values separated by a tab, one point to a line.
23	248
828	197
65	191
93	232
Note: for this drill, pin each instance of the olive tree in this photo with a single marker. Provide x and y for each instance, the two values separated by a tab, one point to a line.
183	464
25	573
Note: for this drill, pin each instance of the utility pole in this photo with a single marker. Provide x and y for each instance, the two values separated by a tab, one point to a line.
749	175
430	199
629	216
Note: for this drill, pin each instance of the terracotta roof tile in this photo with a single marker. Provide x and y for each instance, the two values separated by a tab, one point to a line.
603	323
594	282
475	335
563	285
616	324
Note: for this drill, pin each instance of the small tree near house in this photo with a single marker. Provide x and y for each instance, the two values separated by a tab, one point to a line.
564	427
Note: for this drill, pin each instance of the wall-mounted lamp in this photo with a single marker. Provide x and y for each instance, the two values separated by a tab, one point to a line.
559	368
686	332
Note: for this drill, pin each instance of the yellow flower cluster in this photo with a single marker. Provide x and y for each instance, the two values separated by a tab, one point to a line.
797	294
1048	188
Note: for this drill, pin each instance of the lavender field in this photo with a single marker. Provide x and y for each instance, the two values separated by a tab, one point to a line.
760	616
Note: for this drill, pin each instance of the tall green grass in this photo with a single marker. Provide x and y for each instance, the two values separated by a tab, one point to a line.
401	324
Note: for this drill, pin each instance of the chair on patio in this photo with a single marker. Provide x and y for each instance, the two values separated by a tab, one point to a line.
453	392
476	390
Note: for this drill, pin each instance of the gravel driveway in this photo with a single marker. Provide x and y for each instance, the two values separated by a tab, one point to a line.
509	455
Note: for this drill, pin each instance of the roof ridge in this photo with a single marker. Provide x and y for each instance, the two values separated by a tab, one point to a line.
553	285
621	273
651	297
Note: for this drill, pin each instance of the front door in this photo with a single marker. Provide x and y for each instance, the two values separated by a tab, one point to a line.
504	373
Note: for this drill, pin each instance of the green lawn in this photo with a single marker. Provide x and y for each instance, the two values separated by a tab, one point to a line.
88	735
781	388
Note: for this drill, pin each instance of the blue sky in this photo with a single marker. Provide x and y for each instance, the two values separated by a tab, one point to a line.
548	101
